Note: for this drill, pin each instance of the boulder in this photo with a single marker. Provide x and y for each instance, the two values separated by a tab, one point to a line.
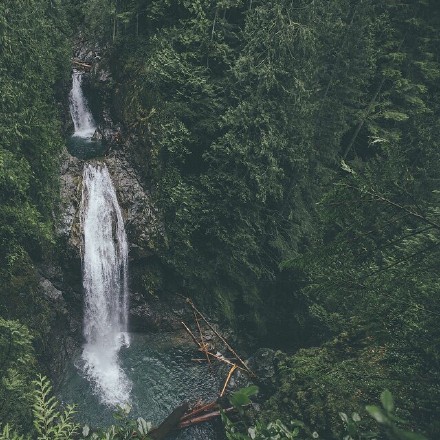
51	292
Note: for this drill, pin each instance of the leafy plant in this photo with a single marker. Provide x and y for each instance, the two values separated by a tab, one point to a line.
242	396
8	434
17	370
261	431
51	423
387	418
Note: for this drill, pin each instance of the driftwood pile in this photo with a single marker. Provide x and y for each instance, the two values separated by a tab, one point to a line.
184	416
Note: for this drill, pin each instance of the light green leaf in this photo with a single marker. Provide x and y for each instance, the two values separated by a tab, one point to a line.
387	401
343	417
376	413
242	396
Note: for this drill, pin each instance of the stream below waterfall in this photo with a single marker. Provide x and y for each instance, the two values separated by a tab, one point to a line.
152	373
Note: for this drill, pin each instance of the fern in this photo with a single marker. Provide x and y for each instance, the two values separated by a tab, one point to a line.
8	434
49	422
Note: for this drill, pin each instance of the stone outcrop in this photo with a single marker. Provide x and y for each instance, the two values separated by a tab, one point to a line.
68	222
63	322
143	225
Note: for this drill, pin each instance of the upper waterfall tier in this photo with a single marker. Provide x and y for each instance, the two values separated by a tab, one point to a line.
82	118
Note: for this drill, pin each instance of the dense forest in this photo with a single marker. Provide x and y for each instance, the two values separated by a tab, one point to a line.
293	150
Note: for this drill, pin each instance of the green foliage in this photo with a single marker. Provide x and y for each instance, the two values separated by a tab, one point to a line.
33	63
393	427
50	423
370	282
8	434
124	428
17	369
385	416
241	129
293	148
53	423
242	396
210	92
263	431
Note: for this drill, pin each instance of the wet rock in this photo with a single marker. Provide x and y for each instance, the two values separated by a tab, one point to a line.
67	224
65	328
143	224
97	135
109	134
103	75
263	363
152	315
51	291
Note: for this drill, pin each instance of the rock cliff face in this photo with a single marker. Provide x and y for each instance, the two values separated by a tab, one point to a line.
144	227
65	331
61	280
68	222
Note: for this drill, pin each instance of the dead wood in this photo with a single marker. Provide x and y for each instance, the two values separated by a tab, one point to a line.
203	418
199	410
203	344
171	423
192	335
231	372
245	367
81	64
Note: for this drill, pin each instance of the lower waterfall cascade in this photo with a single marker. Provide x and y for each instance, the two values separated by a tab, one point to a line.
105	272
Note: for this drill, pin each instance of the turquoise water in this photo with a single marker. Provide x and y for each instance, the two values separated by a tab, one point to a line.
163	377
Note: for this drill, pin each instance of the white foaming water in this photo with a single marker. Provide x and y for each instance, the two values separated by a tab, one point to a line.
105	271
82	118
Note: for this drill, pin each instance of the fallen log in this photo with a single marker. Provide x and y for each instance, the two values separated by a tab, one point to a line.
170	424
226	361
192	335
198	410
81	64
201	419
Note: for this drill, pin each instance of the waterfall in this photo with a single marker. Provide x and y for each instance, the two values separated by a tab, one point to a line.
105	264
82	118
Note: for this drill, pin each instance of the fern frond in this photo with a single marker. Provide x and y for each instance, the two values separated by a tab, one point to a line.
49	423
66	427
8	434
